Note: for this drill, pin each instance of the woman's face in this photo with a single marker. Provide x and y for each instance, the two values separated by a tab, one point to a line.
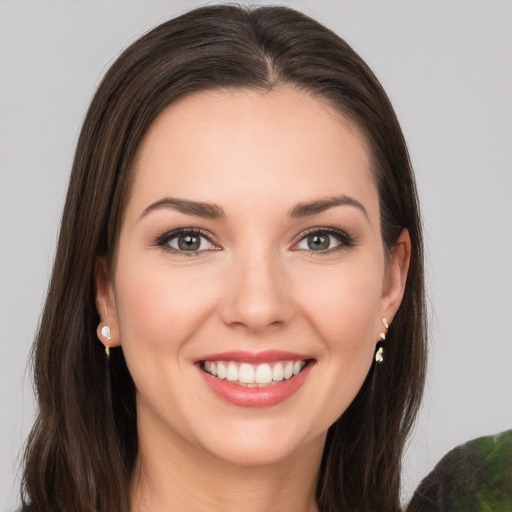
250	250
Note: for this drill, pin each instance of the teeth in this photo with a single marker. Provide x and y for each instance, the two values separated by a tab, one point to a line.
246	374
288	370
232	372
254	375
221	370
278	372
263	374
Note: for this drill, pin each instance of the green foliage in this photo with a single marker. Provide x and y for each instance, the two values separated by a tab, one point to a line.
474	477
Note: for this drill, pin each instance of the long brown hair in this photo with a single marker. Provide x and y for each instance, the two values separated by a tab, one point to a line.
82	449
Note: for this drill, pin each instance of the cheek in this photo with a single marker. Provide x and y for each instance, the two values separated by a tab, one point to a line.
158	308
343	312
343	308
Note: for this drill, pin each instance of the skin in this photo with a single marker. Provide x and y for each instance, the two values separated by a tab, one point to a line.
255	286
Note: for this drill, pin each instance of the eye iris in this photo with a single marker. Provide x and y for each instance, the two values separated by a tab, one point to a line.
189	242
318	242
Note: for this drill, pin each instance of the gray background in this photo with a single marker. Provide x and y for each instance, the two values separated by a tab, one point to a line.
447	68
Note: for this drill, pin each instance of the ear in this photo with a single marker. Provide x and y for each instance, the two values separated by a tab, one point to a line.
105	304
395	276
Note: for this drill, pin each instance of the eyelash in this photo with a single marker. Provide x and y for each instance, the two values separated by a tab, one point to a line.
164	240
346	241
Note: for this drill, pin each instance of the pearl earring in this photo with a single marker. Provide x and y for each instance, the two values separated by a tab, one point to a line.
105	332
379	353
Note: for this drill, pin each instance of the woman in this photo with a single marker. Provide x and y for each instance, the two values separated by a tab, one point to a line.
240	232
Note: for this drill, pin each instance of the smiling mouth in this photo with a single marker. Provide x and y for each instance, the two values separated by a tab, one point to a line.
254	375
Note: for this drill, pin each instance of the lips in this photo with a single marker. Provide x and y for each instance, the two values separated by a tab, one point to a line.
250	379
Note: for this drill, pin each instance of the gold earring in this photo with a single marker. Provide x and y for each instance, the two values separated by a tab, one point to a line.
379	353
105	332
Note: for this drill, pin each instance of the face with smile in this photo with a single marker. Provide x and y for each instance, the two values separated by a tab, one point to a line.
250	277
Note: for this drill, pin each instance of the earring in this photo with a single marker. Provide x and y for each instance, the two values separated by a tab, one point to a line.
105	332
379	354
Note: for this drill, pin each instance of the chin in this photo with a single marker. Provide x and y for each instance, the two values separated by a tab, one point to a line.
262	442
255	454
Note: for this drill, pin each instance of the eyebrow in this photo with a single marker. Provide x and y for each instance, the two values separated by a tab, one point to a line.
318	206
214	211
207	210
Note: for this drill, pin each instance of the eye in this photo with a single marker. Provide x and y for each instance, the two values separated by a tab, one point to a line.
186	241
325	240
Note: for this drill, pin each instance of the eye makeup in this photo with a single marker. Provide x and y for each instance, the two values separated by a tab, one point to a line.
316	238
187	242
192	241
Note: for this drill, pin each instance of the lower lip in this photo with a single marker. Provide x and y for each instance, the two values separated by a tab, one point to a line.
268	396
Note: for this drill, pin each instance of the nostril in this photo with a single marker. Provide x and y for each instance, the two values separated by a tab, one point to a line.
256	301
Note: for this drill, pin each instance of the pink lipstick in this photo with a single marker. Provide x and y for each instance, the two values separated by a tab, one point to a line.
248	379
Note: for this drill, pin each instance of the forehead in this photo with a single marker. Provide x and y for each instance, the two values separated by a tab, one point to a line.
245	147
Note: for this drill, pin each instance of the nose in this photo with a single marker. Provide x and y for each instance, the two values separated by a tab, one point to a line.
257	296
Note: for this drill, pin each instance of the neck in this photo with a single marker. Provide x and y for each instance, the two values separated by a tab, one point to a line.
172	474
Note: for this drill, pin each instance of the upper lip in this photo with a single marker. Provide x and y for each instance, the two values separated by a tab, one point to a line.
243	356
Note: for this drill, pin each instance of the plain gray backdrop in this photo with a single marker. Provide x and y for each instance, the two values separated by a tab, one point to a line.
446	66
